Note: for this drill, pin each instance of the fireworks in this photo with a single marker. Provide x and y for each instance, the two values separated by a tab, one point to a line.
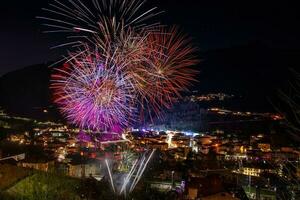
93	94
96	21
121	67
166	71
134	175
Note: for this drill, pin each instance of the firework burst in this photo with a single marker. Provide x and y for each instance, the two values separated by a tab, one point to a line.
96	21
122	66
165	69
92	93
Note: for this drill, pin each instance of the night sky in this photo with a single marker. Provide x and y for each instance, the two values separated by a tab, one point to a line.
246	47
212	24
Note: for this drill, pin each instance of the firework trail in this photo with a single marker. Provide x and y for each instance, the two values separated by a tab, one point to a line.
134	175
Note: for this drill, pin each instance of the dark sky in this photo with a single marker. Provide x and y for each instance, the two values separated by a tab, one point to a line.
212	24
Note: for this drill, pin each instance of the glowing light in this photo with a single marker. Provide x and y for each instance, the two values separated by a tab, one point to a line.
169	139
